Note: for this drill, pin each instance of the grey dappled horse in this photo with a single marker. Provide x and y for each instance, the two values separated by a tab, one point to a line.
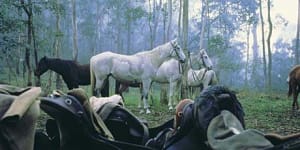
137	68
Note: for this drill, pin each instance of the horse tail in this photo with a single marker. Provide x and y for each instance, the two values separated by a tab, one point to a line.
92	79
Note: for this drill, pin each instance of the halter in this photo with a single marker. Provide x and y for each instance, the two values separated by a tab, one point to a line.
173	50
202	59
196	78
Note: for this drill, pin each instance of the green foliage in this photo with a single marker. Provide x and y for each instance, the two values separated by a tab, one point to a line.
55	7
134	14
216	45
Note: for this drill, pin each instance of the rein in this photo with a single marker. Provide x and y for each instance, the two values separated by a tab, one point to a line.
173	50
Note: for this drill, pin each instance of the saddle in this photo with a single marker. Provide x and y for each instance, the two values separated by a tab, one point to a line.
19	112
124	125
79	126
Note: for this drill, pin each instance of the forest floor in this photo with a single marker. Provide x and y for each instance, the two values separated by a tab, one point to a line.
266	113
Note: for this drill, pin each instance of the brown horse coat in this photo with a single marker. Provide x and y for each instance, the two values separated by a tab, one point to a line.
294	84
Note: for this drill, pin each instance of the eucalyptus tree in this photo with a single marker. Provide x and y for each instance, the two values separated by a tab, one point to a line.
269	46
226	19
263	41
185	22
297	36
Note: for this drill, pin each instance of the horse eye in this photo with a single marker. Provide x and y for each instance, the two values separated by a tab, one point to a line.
205	56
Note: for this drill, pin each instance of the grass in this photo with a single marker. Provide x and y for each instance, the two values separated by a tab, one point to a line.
270	113
266	113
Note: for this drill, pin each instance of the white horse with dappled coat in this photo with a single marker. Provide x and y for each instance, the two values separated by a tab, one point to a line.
170	72
137	68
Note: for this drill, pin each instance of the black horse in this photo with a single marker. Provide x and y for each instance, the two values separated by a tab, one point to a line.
72	73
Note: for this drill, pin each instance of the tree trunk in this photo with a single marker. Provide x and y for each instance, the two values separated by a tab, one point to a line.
28	11
75	50
247	56
37	79
269	47
179	20
263	43
129	29
297	36
170	13
57	44
185	23
165	23
256	61
163	93
203	22
150	18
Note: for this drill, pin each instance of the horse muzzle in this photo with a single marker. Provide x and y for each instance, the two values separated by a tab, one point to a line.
181	60
209	68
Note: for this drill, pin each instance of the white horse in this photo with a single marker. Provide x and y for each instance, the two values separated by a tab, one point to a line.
138	68
170	73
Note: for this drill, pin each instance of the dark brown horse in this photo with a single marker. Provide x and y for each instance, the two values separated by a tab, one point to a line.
294	85
72	73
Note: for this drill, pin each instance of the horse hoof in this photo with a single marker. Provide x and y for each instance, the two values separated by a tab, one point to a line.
171	108
142	111
148	111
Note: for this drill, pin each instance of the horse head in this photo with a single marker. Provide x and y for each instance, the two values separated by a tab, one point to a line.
205	59
42	66
178	51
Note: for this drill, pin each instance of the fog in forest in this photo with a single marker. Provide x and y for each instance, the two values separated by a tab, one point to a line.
231	32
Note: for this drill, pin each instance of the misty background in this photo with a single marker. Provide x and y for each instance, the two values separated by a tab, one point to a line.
231	31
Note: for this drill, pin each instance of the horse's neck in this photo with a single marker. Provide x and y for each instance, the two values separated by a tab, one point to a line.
159	54
56	65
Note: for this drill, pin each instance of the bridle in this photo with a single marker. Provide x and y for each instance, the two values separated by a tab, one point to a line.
202	59
175	48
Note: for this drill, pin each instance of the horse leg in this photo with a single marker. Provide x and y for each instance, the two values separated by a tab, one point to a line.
105	88
146	88
295	96
297	92
98	86
170	98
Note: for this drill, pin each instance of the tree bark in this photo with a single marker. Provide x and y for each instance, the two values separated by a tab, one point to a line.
150	26
297	36
203	22
170	14
263	43
185	22
57	43
247	56
255	62
269	47
28	11
163	93
75	50
129	20
179	20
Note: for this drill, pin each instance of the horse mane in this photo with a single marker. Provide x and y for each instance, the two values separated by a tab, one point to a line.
294	70
154	50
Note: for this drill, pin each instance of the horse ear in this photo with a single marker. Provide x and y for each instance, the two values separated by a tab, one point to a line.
174	41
